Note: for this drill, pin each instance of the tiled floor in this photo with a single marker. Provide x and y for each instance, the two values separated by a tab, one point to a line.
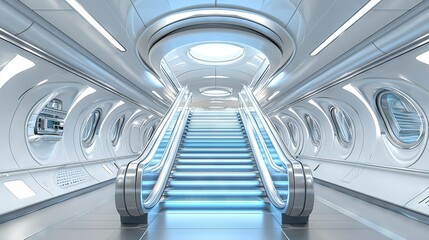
93	216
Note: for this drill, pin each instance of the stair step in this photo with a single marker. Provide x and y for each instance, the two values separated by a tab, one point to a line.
214	193
213	175
208	137
217	184
218	168
187	144
192	129
213	150
228	203
184	161
214	155
215	133
215	140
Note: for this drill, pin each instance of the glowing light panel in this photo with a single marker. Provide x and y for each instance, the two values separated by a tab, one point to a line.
215	92
424	58
364	10
82	12
216	53
16	65
19	189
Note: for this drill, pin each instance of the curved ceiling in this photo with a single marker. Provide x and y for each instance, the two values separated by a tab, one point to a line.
138	25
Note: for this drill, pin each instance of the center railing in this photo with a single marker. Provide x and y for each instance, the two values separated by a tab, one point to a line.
140	183
276	165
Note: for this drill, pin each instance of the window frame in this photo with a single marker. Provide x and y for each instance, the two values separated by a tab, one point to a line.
388	120
338	129
87	141
117	130
295	141
316	142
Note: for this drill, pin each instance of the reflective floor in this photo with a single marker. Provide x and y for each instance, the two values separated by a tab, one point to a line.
93	216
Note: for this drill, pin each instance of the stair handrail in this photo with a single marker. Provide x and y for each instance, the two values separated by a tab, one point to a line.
126	181
167	160
301	184
260	137
271	190
157	137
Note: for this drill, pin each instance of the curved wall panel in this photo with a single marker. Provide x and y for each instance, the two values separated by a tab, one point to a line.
375	164
40	142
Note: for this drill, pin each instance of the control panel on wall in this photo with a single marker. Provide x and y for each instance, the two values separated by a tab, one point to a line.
49	123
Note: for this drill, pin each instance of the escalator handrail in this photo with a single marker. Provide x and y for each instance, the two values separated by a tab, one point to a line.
301	192
155	140
259	136
251	129
126	181
272	133
167	160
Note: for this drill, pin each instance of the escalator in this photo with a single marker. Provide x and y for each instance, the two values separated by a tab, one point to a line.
215	168
215	160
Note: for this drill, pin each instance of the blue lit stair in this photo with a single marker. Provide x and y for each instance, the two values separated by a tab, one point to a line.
214	168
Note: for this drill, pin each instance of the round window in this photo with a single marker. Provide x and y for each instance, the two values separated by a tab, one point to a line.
314	130
343	126
402	118
116	131
90	127
293	133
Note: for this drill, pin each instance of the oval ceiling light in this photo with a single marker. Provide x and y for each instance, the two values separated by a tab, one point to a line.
215	53
216	92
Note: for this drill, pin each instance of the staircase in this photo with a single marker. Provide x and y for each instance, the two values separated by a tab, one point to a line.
214	168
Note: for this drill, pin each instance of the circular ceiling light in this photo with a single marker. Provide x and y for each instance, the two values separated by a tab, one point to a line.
216	92
215	53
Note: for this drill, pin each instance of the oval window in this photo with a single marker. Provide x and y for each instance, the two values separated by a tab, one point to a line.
404	122
343	126
90	127
117	130
293	133
314	130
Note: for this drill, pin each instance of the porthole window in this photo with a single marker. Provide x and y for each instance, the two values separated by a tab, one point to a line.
90	128
403	119
117	130
293	133
343	126
314	130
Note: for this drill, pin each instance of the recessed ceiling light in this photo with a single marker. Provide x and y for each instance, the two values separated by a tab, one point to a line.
216	101
219	77
216	107
365	9
157	95
19	189
215	92
216	53
82	12
15	66
424	58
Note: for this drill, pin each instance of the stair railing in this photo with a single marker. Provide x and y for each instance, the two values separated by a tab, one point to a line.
253	135
128	192
301	191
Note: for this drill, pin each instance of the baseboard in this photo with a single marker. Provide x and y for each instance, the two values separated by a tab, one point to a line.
396	208
40	205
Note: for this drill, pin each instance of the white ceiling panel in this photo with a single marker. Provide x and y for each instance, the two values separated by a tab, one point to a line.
244	4
393	5
47	4
180	4
126	63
